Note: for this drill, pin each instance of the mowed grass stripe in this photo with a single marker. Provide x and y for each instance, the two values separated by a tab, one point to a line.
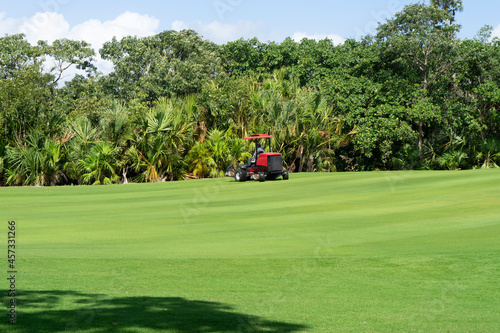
272	218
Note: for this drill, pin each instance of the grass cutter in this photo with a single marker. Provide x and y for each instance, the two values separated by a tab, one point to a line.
261	166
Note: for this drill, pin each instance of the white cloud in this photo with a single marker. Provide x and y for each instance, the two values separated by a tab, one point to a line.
51	26
45	26
8	25
496	32
97	33
127	24
221	33
336	39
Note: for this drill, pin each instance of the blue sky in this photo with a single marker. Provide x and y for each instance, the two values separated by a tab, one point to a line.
218	20
268	20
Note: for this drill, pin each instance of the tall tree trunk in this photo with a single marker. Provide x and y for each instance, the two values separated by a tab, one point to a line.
124	174
299	155
310	163
420	139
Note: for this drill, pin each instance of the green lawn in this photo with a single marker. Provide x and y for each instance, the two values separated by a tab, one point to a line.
344	252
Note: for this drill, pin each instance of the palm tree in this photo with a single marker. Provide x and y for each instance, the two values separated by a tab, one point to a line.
82	137
55	162
39	161
115	124
453	160
218	148
98	166
202	164
237	151
116	127
2	158
312	131
24	165
489	154
159	140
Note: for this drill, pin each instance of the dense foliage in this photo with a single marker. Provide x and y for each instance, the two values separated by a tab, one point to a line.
176	106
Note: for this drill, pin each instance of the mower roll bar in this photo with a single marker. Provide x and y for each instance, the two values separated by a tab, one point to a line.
260	136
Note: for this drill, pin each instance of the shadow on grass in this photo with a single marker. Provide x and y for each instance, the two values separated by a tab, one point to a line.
66	311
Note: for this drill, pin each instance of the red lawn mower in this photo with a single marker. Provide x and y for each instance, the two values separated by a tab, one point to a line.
261	166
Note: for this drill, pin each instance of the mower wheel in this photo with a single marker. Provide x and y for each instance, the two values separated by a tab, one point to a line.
285	175
262	177
240	176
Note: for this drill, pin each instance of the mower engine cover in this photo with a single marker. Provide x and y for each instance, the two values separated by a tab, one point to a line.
272	162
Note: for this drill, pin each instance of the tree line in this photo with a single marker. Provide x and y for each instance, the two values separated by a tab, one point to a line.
175	106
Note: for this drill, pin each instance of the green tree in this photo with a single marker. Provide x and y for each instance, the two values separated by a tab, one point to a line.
451	6
167	64
422	38
67	53
244	57
16	53
224	103
25	102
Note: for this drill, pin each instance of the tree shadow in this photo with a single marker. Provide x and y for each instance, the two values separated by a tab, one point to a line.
67	311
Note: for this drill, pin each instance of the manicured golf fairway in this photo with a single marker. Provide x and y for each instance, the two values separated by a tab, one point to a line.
346	252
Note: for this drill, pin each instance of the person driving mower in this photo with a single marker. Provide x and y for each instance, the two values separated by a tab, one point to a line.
259	150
